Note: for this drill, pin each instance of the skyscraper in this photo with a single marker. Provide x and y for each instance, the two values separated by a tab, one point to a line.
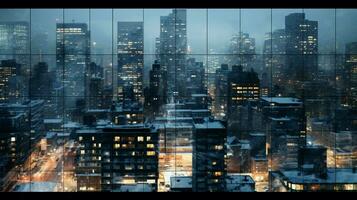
15	41
11	86
351	69
118	158
242	87
242	46
173	49
301	47
221	92
73	57
157	88
208	159
274	56
130	59
41	82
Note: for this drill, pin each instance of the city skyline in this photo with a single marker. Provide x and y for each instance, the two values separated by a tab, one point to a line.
178	100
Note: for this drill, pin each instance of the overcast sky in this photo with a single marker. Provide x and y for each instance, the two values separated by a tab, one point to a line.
207	29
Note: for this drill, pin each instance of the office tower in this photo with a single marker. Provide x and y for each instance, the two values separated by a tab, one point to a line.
286	130
157	90
89	158
73	57
221	92
41	82
15	42
208	159
274	57
173	49
351	70
130	49
195	77
107	97
301	47
118	159
242	46
243	86
12	87
95	98
157	48
95	86
14	145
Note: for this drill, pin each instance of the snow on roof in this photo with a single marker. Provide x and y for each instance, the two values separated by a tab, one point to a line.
52	121
210	125
139	187
282	100
36	187
333	176
180	182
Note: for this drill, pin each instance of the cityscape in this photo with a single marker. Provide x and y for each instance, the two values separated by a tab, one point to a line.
178	100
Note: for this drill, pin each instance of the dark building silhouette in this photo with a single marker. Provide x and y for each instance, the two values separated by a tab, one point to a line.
208	157
301	47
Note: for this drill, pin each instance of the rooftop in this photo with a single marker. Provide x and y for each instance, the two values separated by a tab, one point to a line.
139	187
240	183
36	187
209	125
282	100
181	182
52	121
333	176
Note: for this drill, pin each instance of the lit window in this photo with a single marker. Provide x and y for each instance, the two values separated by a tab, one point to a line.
13	139
80	138
218	147
116	146
150	145
93	138
218	173
140	139
150	153
148	138
116	138
83	152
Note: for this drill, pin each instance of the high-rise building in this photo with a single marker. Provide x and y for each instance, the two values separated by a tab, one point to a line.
157	90
95	98
286	130
351	68
301	47
195	77
15	42
173	50
130	49
274	57
242	46
12	87
41	82
14	145
208	160
73	57
221	92
243	86
119	158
